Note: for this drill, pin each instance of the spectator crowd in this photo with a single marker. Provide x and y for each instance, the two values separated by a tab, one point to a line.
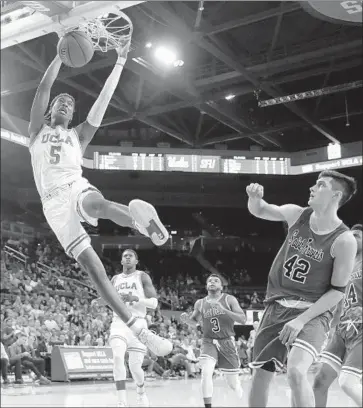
46	301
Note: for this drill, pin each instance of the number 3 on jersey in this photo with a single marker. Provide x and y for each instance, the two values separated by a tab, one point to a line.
215	325
296	269
54	154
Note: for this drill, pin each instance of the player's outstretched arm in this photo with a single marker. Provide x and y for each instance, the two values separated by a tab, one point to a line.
235	312
87	129
271	212
195	317
41	99
344	250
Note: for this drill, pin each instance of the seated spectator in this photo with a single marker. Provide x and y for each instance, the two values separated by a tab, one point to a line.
17	351
86	341
8	333
34	282
255	300
27	285
150	365
179	359
7	363
49	322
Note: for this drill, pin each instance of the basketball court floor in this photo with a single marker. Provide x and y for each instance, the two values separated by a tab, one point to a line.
162	393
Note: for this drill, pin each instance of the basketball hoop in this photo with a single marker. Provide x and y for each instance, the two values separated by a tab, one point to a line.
107	32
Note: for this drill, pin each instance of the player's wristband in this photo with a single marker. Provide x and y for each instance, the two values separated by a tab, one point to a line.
121	61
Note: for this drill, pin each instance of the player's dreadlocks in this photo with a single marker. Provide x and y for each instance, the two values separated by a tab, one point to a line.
48	114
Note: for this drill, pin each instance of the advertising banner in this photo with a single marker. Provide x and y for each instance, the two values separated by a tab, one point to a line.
81	362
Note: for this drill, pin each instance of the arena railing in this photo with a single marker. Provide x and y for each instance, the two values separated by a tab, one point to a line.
16	254
47	269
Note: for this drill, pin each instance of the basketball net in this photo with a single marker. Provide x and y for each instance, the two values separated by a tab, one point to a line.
107	32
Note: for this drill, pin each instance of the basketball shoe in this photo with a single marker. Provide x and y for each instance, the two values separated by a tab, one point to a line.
142	399
147	221
158	345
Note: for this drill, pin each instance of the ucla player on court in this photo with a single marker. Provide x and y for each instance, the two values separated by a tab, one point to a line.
307	279
68	199
343	354
137	291
218	312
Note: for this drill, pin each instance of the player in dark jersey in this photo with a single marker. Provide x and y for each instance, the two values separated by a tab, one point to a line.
306	281
218	311
343	354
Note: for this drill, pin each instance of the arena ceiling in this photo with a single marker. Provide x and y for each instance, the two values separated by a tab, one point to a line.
255	50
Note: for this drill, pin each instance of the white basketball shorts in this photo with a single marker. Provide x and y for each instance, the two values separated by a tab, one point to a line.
121	330
63	210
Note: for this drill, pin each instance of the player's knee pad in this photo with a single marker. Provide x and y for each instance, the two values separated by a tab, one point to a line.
207	365
136	359
119	347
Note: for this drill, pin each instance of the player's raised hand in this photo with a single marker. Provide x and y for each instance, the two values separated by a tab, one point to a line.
124	48
254	190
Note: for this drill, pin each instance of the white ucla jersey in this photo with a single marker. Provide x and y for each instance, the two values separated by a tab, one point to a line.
56	157
130	284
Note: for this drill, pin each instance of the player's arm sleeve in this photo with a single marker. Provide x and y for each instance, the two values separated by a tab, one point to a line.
150	300
41	99
87	129
345	251
271	212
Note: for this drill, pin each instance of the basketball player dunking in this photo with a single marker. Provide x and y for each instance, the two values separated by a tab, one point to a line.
343	354
137	291
218	312
68	199
307	279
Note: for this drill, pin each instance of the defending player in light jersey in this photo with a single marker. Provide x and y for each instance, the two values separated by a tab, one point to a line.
68	199
343	354
218	311
137	291
307	280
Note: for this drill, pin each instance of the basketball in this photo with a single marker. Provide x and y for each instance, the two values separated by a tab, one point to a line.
75	49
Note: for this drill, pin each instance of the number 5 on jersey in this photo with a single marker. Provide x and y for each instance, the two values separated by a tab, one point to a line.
296	269
55	154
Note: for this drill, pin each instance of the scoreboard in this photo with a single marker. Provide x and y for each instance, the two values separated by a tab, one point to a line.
259	165
191	163
135	161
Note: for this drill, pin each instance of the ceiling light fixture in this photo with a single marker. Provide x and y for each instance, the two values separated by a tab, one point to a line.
229	97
